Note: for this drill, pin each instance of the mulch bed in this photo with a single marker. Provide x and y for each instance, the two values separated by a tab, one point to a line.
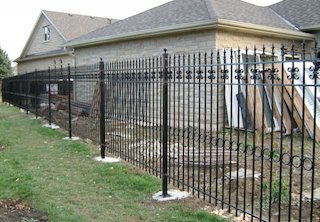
15	210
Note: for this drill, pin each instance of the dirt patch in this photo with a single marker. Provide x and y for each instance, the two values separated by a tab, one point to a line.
15	210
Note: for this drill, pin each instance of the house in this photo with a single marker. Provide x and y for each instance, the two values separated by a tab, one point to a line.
307	21
304	15
191	25
181	26
45	46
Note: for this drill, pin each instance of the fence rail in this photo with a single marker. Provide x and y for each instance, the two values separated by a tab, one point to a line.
235	127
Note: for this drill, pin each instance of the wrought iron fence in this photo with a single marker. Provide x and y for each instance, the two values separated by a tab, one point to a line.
235	127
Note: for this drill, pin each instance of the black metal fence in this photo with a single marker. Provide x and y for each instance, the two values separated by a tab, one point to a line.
238	128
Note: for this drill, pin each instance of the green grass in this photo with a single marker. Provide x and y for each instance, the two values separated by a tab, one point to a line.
60	177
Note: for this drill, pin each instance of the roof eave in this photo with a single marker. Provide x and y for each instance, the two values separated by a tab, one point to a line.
310	28
144	34
41	57
265	30
220	24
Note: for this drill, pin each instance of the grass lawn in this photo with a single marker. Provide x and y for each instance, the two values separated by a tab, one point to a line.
60	177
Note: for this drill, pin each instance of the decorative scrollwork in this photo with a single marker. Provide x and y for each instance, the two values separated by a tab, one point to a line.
224	74
170	75
199	76
189	76
293	73
160	74
239	75
211	74
139	75
273	74
256	74
153	75
315	73
179	76
146	75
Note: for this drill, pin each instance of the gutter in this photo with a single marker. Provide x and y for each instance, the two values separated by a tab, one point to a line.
311	28
221	24
265	30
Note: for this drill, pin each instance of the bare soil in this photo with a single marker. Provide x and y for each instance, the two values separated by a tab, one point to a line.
15	210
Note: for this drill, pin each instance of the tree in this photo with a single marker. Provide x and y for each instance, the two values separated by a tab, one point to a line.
5	65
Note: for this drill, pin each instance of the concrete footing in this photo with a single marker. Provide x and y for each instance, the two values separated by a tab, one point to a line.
172	195
52	126
72	138
107	160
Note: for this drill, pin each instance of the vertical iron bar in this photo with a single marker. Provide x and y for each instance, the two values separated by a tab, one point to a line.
27	94
69	101
102	110
217	121
193	122
281	129
165	125
231	127
292	124
205	127
199	121
247	119
271	136
36	92
49	94
315	76
303	126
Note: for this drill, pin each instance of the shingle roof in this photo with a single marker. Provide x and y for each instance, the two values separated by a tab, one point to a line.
72	25
301	13
183	12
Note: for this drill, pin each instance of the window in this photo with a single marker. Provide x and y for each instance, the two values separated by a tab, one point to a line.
46	30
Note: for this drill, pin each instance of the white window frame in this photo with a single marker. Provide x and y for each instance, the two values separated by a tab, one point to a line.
46	31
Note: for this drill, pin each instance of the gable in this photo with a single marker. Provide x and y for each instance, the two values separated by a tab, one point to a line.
37	44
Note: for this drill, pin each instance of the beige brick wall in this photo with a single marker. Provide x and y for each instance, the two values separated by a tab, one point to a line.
228	39
182	43
188	42
37	43
43	64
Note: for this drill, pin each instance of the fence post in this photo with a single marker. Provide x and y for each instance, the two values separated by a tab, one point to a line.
69	100
49	92
27	93
102	110
165	126
36	92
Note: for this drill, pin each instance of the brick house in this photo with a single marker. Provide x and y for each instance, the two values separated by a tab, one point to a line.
52	30
180	26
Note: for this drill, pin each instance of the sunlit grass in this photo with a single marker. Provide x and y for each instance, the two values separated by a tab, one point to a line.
61	178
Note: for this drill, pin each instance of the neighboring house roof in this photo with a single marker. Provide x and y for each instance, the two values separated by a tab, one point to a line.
304	14
72	26
188	14
69	26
